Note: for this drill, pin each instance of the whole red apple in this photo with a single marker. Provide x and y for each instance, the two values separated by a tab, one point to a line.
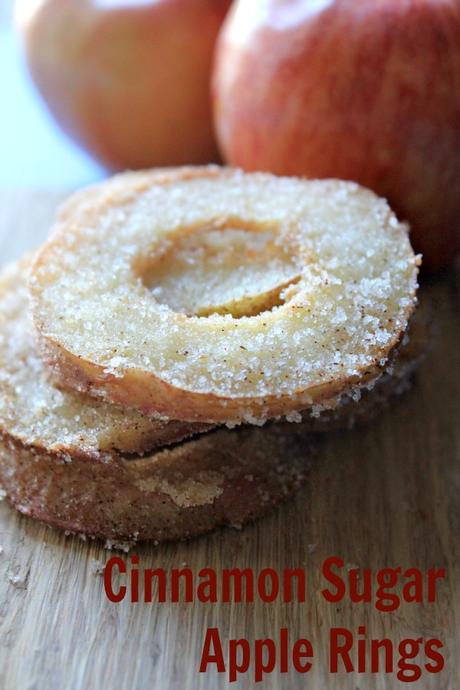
367	90
128	79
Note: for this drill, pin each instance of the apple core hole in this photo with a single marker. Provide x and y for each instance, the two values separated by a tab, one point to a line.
230	270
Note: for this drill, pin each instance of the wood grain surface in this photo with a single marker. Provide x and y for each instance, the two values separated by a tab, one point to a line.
385	495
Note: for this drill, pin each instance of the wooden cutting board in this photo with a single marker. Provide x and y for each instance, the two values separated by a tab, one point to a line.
385	495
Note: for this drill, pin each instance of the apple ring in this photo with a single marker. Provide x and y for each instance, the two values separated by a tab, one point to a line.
36	414
221	478
341	288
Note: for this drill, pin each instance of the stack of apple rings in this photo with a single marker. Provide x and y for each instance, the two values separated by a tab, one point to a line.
167	303
92	468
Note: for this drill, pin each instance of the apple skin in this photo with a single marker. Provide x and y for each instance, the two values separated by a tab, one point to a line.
367	91
128	80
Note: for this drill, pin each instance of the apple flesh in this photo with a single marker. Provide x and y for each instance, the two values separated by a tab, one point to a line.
128	80
367	91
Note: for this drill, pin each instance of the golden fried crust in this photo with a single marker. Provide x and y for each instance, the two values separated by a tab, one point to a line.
363	404
221	478
332	329
39	415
